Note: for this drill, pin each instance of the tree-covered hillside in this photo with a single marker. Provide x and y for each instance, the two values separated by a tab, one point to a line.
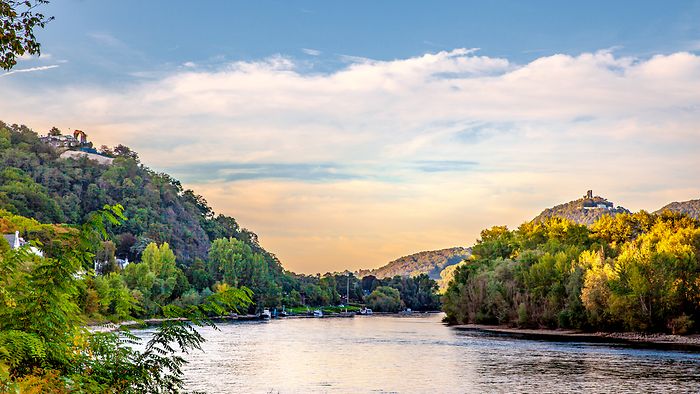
585	210
690	208
430	263
36	183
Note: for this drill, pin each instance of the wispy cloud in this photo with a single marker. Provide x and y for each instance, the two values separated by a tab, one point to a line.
315	172
107	39
232	171
311	52
43	56
354	59
436	166
28	70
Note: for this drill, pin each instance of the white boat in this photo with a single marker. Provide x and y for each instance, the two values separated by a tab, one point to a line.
318	313
265	314
365	311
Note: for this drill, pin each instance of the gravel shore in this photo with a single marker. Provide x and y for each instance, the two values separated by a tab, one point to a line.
665	340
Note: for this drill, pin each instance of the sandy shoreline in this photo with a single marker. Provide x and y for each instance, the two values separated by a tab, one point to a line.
690	342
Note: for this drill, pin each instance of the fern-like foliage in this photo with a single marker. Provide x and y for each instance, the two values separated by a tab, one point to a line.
43	340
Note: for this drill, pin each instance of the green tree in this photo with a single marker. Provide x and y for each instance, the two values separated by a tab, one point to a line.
632	271
156	278
18	19
657	277
44	346
20	194
234	262
385	299
105	259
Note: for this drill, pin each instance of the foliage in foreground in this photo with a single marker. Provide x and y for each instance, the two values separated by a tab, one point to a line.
636	272
44	346
18	19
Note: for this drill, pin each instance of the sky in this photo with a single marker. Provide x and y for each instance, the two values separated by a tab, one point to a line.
348	134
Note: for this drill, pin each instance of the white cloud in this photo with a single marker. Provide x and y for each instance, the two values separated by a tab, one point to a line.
541	133
311	52
26	57
28	70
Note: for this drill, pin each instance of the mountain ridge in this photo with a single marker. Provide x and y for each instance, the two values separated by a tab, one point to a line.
690	208
430	262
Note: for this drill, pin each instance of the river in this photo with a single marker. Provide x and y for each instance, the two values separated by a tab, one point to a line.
418	354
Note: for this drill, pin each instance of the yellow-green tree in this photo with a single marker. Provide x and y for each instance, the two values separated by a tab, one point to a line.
156	279
658	277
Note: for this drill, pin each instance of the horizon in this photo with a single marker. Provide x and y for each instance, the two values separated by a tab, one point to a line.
342	151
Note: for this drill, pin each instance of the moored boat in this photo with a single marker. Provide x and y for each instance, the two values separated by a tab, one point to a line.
365	311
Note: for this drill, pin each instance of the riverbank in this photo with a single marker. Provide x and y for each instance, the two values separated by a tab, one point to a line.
686	342
111	327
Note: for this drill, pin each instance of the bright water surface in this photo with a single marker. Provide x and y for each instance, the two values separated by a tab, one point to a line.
418	354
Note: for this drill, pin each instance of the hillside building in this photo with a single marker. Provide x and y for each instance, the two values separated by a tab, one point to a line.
60	141
17	242
75	146
590	202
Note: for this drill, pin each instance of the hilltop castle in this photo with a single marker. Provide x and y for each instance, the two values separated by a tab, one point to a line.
590	202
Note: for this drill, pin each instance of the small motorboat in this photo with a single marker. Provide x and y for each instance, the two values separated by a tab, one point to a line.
318	313
365	311
283	312
265	314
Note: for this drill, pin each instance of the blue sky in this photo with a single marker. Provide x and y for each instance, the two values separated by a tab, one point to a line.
108	41
348	134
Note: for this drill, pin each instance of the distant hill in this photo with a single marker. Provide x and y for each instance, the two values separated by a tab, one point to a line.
430	262
690	208
586	210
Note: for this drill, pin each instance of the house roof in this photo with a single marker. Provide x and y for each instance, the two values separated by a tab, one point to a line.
10	238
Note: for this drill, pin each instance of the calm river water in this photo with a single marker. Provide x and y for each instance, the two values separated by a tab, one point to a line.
418	354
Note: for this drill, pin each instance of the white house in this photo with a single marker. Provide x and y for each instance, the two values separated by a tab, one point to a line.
17	242
13	240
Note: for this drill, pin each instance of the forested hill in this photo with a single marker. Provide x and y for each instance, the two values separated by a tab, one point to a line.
586	210
690	208
36	182
429	262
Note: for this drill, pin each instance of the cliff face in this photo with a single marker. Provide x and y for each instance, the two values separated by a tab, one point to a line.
585	210
690	208
429	262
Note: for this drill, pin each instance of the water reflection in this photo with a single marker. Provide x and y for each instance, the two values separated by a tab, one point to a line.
419	354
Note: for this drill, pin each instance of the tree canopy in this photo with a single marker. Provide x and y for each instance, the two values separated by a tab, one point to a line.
18	21
628	272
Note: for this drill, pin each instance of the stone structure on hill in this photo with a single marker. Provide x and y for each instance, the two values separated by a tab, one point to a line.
586	210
